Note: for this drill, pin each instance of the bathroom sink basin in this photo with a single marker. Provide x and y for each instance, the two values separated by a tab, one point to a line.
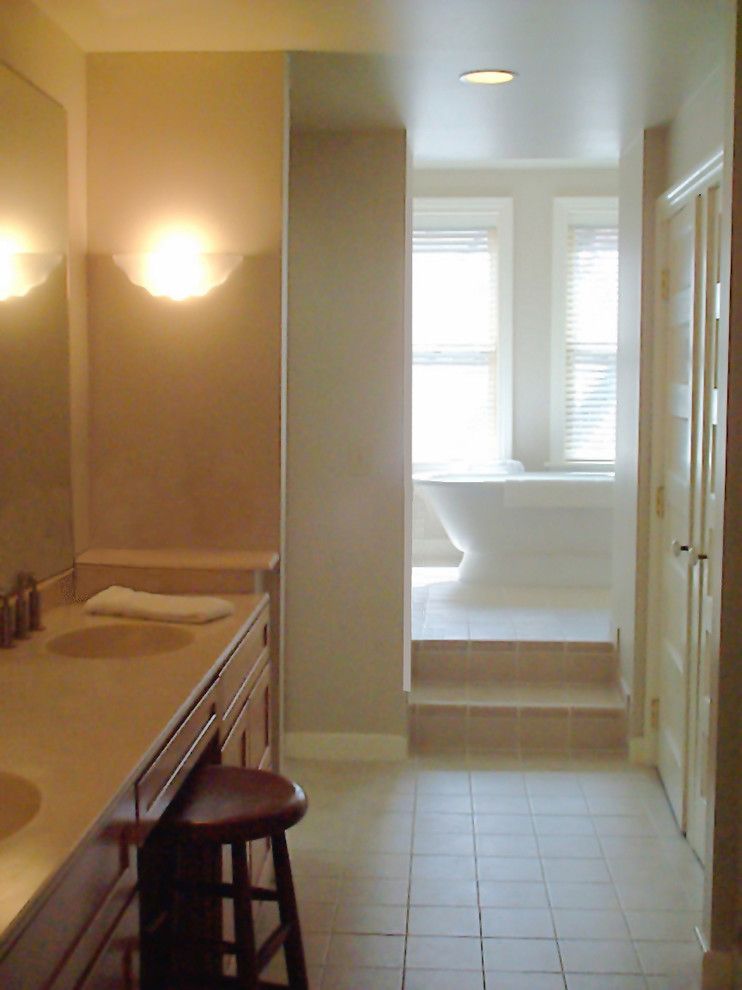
19	802
120	640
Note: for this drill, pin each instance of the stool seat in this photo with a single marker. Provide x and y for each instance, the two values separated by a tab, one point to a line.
222	806
233	804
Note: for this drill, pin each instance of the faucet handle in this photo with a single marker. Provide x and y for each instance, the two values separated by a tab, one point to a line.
21	607
7	623
34	604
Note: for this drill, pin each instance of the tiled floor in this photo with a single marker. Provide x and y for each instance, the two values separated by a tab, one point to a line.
498	873
444	609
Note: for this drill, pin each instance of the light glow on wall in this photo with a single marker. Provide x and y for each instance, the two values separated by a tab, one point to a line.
22	270
177	267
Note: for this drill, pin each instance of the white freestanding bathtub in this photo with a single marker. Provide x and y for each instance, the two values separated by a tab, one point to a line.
538	528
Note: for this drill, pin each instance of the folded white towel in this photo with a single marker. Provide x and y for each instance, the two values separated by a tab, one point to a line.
167	608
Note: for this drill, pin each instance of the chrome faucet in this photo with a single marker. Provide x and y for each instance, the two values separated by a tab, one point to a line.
21	607
34	605
20	611
7	623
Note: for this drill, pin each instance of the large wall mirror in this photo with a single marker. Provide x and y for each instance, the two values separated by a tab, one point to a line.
35	482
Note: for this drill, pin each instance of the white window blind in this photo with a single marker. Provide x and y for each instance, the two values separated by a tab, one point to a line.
455	348
590	343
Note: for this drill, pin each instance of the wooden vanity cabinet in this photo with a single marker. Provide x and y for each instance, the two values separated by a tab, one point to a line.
90	931
84	917
247	721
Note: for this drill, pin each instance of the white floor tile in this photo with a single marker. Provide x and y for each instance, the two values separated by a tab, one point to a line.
590	923
524	981
521	955
517	923
437	952
366	950
598	956
361	978
442	893
496	842
426	979
457	921
512	894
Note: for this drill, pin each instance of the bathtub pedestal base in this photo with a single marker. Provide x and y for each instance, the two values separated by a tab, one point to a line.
543	570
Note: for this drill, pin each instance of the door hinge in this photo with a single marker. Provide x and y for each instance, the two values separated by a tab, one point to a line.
654	713
659	502
665	284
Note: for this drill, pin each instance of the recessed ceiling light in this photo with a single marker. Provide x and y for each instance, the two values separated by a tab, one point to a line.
488	77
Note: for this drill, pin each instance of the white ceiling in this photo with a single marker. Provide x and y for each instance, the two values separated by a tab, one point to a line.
591	72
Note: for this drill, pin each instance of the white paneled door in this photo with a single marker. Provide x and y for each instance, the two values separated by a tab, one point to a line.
675	634
689	241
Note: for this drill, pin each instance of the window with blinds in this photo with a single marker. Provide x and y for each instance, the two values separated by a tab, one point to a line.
455	348
586	320
590	343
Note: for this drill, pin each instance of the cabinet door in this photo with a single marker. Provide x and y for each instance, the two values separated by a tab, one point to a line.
260	721
259	754
236	747
117	965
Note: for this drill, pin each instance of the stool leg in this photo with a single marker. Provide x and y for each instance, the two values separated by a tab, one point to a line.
244	929
295	965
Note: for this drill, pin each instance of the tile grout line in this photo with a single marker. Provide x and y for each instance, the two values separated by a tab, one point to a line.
409	880
476	877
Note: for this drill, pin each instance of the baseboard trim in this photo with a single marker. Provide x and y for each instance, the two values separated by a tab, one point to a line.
718	970
344	746
640	751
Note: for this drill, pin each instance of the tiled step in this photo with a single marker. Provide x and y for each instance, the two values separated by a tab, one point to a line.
598	697
528	725
507	661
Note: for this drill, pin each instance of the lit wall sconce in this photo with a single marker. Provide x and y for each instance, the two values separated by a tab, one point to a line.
177	269
21	271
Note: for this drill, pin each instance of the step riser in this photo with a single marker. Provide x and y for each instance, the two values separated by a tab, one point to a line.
481	663
479	729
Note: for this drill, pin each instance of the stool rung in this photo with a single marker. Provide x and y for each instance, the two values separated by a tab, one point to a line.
225	981
222	945
203	887
221	890
263	894
271	946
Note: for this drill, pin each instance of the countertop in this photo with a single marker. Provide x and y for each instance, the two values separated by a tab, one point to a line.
82	730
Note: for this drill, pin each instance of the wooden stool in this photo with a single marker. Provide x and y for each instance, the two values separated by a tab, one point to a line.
222	806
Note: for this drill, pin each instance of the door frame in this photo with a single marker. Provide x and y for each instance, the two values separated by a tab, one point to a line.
669	202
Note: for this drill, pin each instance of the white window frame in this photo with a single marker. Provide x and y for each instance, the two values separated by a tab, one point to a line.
450	213
593	211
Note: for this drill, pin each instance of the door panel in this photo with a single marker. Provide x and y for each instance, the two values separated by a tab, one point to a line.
689	442
676	531
704	522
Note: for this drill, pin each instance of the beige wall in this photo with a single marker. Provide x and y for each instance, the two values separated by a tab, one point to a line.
533	192
344	554
185	396
36	48
697	130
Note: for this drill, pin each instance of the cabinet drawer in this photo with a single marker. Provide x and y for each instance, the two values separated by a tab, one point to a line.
48	951
96	941
159	784
117	963
241	670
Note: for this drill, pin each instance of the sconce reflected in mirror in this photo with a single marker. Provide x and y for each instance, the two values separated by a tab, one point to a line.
177	268
21	271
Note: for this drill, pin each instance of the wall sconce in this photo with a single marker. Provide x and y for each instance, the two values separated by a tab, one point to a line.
21	271
177	271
